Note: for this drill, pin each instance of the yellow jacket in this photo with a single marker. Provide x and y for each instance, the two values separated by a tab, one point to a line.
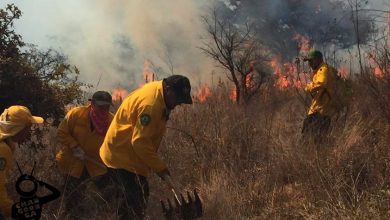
322	90
135	133
6	163
75	131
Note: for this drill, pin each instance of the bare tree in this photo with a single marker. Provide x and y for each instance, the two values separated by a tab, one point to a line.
236	50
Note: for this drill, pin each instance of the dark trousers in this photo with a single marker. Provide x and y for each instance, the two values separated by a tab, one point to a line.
316	123
135	190
75	188
316	126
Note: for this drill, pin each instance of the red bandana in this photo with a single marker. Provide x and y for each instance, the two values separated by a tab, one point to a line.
99	120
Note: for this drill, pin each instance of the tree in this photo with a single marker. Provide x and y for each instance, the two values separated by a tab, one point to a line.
44	81
235	49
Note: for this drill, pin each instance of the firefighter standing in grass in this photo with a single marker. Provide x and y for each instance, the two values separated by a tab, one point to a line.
15	127
80	135
322	91
133	138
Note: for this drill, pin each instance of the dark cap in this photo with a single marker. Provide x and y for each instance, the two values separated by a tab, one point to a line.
181	87
312	54
101	98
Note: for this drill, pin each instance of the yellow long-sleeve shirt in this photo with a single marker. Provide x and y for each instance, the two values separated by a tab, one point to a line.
135	133
76	131
6	163
322	91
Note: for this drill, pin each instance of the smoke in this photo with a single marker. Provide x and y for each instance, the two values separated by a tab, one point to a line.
326	23
112	39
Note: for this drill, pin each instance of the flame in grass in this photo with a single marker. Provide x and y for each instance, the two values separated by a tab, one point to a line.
119	94
287	74
203	93
343	72
249	84
233	94
375	67
281	79
147	73
378	73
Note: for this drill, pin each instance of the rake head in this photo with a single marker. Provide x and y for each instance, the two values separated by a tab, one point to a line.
186	209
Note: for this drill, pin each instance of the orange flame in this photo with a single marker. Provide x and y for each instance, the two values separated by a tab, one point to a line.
343	72
281	81
378	73
233	94
119	94
203	93
375	68
249	84
287	74
148	74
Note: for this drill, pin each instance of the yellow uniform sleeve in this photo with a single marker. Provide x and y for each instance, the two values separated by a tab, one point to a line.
5	202
320	80
64	132
148	128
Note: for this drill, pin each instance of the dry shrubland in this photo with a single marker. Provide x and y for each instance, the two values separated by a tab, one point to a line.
250	162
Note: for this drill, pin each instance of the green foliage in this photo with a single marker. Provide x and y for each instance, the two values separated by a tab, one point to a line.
44	81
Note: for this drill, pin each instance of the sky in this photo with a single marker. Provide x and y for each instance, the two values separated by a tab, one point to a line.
112	39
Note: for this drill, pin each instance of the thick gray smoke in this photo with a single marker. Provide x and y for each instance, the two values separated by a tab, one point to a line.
325	22
113	38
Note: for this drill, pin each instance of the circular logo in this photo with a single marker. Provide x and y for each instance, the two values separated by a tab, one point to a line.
145	119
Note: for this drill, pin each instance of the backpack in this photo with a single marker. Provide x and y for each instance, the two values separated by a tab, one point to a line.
342	88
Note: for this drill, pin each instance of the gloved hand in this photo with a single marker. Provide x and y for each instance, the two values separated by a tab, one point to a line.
79	153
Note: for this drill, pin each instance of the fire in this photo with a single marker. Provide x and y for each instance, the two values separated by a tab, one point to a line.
304	43
148	74
233	94
343	72
203	93
378	73
287	74
281	81
375	68
119	94
249	84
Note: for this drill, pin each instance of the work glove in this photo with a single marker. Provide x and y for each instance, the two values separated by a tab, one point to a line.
79	153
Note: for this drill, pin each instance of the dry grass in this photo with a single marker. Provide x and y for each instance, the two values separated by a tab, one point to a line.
251	163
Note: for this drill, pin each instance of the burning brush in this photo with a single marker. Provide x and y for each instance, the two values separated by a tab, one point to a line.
183	209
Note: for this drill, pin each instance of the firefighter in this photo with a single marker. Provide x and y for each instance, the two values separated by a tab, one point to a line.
80	135
133	138
321	89
15	127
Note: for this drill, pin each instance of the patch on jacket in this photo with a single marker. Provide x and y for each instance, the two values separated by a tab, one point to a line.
145	119
3	163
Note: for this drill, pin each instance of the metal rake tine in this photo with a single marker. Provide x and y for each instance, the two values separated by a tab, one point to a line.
198	205
183	201
189	197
